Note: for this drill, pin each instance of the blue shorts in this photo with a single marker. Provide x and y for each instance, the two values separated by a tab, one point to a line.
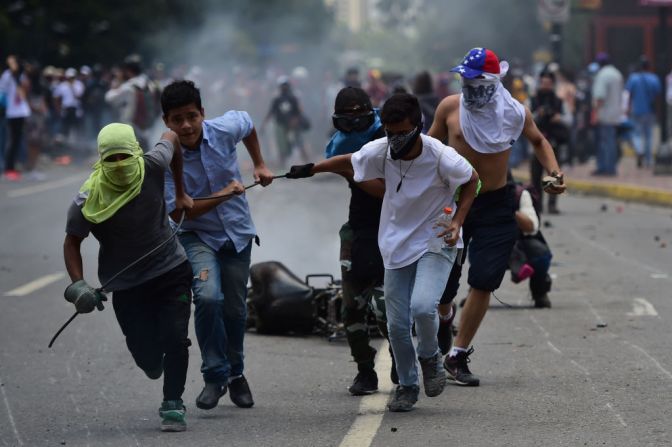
489	233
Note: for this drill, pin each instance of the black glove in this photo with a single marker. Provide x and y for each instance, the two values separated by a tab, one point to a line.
301	171
84	297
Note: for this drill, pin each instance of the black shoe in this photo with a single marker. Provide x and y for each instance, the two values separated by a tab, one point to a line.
155	373
542	301
240	393
445	334
458	371
433	375
404	398
366	382
210	395
553	210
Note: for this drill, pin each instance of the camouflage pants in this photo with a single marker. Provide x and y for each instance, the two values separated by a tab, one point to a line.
360	295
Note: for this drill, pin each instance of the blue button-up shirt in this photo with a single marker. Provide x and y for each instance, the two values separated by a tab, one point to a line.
209	169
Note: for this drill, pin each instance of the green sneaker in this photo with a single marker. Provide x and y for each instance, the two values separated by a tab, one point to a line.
172	413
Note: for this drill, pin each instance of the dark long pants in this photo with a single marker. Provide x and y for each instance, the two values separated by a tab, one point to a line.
154	317
16	126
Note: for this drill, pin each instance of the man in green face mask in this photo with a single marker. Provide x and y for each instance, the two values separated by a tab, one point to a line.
122	204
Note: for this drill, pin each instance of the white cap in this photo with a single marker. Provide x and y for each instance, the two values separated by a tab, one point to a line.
85	70
70	73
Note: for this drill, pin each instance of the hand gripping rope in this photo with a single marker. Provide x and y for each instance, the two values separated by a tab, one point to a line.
134	263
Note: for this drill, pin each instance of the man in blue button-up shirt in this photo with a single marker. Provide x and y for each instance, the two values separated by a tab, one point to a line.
217	234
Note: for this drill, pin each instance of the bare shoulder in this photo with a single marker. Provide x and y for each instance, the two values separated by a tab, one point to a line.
449	104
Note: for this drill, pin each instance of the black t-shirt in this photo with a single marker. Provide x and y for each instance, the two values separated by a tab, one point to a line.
364	209
285	108
545	106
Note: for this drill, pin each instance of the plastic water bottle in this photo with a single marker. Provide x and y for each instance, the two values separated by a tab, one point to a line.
437	243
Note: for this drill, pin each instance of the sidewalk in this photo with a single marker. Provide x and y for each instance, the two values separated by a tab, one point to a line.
631	183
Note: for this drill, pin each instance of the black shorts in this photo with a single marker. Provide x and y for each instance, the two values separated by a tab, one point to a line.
489	233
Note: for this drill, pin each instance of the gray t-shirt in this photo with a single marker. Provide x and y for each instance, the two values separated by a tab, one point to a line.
135	229
608	86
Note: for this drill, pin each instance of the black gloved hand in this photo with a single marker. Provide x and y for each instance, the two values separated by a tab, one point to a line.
84	297
301	171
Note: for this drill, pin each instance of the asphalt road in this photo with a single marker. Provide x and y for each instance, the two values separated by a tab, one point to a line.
596	369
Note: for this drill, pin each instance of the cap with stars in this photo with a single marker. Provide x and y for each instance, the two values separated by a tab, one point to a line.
476	62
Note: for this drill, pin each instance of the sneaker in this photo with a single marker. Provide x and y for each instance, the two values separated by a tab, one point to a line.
542	301
35	176
154	373
404	398
240	393
458	371
445	334
210	395
366	382
552	209
172	415
433	376
12	175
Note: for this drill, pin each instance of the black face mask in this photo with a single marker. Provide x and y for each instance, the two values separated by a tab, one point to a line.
353	123
401	144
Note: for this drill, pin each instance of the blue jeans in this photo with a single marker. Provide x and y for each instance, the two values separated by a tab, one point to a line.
607	151
644	136
3	142
220	292
412	293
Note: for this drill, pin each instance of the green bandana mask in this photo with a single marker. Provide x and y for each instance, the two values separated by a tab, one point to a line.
113	184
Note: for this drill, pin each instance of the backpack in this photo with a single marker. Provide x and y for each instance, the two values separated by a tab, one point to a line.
147	106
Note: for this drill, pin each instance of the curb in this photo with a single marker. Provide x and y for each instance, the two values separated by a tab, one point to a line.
620	191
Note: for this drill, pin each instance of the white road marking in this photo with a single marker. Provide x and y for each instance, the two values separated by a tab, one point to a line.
37	284
642	308
618	416
553	347
659	275
9	414
598	317
42	187
372	407
650	357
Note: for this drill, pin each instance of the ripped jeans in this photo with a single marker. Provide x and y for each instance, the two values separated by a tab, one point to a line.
220	291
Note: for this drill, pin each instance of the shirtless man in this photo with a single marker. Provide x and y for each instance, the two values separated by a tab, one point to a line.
481	124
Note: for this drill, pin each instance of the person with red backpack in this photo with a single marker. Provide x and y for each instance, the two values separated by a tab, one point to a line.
531	255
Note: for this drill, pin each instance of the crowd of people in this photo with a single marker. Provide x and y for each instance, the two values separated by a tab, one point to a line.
595	112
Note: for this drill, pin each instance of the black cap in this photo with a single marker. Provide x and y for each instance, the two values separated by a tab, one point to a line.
352	98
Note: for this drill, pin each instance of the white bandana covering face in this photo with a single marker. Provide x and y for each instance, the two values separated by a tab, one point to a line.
490	119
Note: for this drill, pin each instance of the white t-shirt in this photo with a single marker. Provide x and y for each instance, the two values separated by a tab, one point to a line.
408	215
70	94
17	106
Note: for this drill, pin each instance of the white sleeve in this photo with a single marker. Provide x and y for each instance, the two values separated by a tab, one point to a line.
525	206
454	168
368	162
